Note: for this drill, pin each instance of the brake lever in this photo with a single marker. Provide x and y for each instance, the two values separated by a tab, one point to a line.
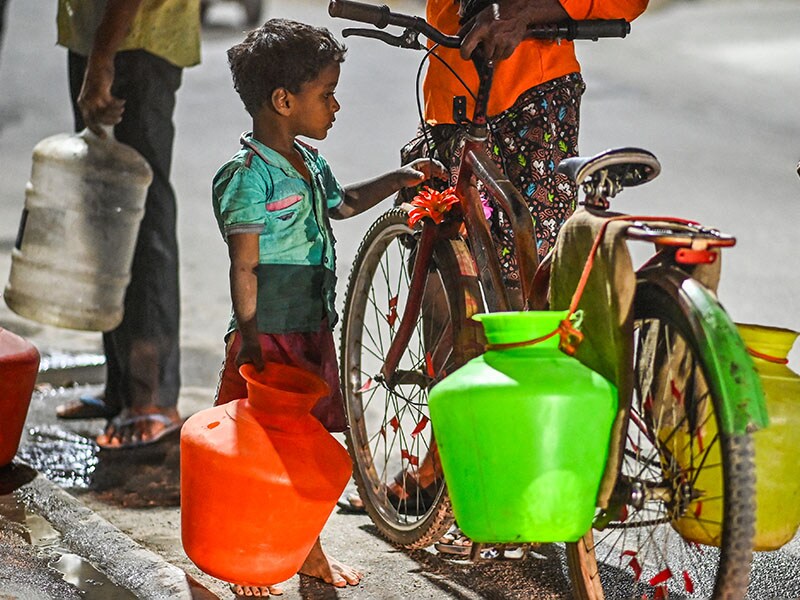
408	39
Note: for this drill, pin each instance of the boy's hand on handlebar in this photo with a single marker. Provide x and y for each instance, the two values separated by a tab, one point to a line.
420	170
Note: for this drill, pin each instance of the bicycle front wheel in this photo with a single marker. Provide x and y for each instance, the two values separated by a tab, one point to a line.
390	438
682	518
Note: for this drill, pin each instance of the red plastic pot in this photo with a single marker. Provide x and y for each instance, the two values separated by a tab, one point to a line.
19	365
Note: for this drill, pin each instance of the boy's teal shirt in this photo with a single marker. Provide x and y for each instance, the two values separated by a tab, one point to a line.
259	191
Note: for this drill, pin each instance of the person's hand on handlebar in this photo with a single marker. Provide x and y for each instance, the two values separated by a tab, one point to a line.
502	25
420	170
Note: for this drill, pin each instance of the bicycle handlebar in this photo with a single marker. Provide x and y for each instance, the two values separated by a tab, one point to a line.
381	16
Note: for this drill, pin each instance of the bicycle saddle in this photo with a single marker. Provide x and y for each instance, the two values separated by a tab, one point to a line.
632	166
604	175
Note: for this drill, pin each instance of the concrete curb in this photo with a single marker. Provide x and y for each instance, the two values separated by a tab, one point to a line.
124	561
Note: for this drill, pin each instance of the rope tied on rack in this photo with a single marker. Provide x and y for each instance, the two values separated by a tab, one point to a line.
569	330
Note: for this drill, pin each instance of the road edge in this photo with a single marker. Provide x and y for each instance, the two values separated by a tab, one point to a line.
128	564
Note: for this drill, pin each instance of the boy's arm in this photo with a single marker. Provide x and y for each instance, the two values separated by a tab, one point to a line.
97	105
359	197
243	252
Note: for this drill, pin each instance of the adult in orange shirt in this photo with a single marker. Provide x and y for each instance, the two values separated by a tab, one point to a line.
533	108
533	117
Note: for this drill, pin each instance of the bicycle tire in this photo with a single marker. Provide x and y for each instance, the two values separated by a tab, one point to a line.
608	563
389	426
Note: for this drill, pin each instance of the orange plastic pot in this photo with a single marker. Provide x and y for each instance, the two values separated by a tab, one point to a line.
19	365
259	478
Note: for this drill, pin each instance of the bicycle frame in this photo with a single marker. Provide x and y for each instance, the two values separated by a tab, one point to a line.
680	464
475	165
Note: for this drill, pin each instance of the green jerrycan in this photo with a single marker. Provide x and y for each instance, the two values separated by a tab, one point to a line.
523	435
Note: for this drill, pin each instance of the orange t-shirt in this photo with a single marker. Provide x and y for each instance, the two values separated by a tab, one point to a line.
533	63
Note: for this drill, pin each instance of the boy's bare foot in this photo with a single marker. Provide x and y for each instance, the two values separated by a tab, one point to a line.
256	591
331	571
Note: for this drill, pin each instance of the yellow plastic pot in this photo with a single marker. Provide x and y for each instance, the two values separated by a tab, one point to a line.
777	448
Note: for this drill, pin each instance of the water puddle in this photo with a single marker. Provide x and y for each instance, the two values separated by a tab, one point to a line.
88	582
139	477
65	458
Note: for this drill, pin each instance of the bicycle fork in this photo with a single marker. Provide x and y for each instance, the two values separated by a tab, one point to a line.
411	311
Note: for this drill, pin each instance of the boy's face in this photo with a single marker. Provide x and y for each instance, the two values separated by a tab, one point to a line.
314	106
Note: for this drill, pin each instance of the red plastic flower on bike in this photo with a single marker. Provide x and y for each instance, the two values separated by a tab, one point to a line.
430	203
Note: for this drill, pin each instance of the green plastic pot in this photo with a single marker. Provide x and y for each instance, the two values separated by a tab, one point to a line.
523	435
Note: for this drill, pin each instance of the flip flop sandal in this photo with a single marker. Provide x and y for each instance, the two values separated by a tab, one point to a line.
448	546
85	407
453	549
353	504
120	424
418	501
503	552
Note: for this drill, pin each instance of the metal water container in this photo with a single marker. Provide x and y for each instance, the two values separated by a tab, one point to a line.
83	205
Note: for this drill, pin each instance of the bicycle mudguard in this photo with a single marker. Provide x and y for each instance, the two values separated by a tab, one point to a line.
734	379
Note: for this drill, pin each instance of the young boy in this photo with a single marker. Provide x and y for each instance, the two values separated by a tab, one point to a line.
272	202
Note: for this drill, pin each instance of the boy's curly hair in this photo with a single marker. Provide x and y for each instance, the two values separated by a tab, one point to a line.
280	53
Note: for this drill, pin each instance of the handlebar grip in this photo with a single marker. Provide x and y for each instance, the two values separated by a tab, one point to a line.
359	11
592	30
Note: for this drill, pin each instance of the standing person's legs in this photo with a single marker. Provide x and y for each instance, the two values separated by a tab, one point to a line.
143	360
530	139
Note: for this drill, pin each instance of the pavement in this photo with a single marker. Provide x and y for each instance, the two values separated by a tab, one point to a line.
86	523
77	523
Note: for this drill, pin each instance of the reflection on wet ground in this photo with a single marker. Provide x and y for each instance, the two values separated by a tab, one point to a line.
65	453
34	560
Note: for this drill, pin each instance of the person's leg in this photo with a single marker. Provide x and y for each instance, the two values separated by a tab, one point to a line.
146	342
142	353
314	352
532	137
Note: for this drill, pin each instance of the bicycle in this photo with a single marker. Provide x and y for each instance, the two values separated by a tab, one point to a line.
695	396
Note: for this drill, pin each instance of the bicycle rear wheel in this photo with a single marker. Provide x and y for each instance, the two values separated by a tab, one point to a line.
682	518
390	437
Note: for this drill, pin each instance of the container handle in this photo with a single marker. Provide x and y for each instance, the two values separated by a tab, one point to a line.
108	130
